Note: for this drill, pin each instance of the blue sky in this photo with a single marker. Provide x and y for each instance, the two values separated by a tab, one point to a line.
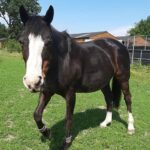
115	16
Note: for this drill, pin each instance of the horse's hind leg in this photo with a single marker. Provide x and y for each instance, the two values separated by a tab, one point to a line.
109	101
127	98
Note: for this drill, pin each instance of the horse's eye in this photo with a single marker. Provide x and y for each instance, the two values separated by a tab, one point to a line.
48	42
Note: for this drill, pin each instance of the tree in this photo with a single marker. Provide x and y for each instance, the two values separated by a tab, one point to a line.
141	28
3	31
9	11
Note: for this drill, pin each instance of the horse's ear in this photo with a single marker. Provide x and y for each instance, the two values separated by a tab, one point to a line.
23	14
49	15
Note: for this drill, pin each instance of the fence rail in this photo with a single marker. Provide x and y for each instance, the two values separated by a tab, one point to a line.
140	56
139	48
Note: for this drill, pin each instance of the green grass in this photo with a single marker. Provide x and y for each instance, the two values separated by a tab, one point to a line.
18	130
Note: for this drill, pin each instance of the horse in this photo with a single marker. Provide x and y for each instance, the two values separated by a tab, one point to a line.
57	64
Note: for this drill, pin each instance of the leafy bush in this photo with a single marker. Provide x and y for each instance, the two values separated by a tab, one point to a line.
12	45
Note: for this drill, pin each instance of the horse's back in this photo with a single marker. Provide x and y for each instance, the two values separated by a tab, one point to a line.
109	48
101	60
119	55
115	49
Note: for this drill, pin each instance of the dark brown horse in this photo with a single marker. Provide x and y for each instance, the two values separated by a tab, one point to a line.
55	63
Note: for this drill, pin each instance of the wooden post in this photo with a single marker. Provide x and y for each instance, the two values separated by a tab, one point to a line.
132	58
145	42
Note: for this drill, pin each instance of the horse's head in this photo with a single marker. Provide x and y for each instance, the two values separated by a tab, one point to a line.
35	39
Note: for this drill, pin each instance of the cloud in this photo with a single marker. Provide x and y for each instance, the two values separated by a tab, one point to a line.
121	31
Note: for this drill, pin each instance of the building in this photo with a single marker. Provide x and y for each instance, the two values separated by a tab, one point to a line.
85	37
136	41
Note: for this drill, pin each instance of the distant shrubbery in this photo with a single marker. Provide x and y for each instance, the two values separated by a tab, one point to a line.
12	45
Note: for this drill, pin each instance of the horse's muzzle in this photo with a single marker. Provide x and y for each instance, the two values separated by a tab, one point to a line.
33	83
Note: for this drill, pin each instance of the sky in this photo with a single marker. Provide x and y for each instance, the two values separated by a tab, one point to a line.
79	16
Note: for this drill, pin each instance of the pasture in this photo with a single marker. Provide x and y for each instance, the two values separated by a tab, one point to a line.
18	129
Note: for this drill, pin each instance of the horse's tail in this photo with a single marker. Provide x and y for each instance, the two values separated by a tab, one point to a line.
116	90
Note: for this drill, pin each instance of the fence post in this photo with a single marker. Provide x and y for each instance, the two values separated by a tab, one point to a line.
141	53
145	42
128	42
132	58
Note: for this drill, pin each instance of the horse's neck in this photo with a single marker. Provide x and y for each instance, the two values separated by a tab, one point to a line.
64	45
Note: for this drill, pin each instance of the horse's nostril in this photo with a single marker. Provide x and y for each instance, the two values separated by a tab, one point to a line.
29	86
24	78
40	77
38	83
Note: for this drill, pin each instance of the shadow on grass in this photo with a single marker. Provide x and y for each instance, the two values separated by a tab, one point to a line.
91	118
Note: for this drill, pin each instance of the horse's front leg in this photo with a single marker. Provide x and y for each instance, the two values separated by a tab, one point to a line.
70	104
43	101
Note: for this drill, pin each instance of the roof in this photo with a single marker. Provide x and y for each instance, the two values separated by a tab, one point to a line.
124	37
86	35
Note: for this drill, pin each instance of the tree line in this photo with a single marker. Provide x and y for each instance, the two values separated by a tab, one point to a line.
9	12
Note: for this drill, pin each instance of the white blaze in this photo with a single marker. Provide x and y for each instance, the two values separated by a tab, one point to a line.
34	62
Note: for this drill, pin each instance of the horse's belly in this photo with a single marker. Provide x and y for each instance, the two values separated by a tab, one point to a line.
94	81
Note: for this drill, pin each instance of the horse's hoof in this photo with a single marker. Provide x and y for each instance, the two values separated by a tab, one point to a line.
64	146
66	143
47	134
131	132
103	125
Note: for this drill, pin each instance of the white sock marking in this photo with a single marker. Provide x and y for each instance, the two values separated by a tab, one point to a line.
107	120
131	128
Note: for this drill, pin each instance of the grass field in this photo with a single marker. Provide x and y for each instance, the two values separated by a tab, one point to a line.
18	130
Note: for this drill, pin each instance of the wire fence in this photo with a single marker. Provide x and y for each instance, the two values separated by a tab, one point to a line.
139	48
